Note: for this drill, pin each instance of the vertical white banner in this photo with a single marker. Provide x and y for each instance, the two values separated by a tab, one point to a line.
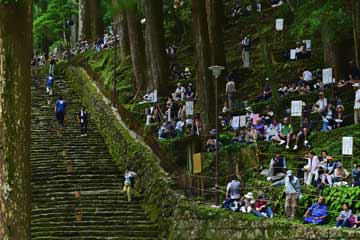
169	114
347	146
293	54
189	108
243	121
235	123
308	44
327	76
155	96
279	24
296	108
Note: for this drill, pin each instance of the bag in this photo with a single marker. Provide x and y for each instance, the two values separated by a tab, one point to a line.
352	220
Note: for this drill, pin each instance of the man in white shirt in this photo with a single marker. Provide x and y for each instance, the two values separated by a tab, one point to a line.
232	194
321	104
356	103
307	76
179	92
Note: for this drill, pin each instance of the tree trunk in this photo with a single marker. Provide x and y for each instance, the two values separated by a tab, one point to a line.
155	33
356	29
96	21
137	49
15	118
215	21
204	85
331	52
149	73
121	30
84	20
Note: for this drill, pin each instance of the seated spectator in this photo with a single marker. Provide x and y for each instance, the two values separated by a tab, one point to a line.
321	104
327	118
339	175
277	168
276	3
267	116
189	95
149	96
179	92
249	203
317	213
283	90
163	132
273	130
343	220
211	142
304	88
258	131
238	137
356	176
179	127
339	116
303	133
262	208
311	169
285	133
293	89
319	86
326	170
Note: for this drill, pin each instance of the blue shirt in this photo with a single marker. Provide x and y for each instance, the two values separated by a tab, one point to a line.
317	211
49	81
60	106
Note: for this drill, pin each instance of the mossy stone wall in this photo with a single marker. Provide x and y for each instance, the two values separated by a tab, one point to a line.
217	224
154	185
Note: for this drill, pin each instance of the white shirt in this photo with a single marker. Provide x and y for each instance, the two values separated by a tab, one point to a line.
322	103
357	99
307	75
179	125
313	164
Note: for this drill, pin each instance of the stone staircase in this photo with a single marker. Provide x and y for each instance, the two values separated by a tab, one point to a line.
76	186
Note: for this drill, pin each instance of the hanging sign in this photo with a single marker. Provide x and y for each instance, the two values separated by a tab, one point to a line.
243	121
347	146
279	24
293	54
235	123
189	108
327	76
197	163
296	108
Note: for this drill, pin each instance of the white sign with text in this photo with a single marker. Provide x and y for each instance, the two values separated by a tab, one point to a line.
347	146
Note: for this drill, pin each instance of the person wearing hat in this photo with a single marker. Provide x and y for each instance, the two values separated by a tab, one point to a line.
249	201
262	208
327	167
339	116
357	103
292	191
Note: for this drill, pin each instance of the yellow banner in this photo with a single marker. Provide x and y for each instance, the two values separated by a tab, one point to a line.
197	163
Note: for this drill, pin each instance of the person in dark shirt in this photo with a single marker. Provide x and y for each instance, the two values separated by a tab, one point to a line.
303	133
83	120
356	176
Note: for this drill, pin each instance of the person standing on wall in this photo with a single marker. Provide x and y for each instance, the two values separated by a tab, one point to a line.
357	103
246	45
292	191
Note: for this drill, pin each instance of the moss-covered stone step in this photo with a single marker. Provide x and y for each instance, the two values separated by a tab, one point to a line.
64	163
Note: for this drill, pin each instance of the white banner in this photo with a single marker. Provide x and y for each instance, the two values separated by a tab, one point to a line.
293	54
347	146
235	123
169	114
243	121
279	24
296	108
308	44
327	76
189	108
155	96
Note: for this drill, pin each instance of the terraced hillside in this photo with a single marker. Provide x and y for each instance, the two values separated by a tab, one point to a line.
76	186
